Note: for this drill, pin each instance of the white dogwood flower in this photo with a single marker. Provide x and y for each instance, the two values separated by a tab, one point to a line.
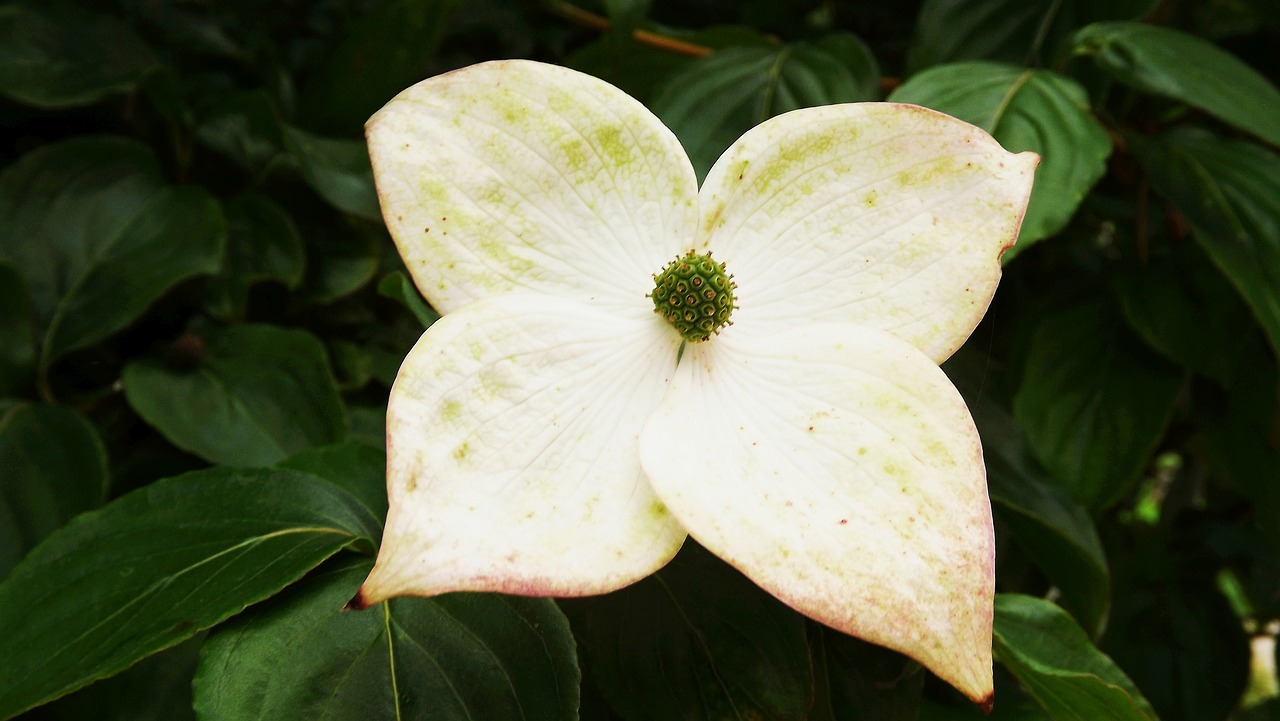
579	408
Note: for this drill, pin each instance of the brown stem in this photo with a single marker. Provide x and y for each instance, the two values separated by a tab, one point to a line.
662	42
589	19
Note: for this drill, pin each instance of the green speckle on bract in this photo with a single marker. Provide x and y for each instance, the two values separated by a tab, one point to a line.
451	412
611	143
461	452
658	510
695	295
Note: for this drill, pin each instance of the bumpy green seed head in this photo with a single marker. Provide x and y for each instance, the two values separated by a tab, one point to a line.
695	295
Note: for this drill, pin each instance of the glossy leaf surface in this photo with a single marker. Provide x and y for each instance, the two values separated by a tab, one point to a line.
1184	67
1042	517
1053	528
1054	660
250	396
1093	402
337	169
1019	31
1183	306
1230	191
98	236
59	56
457	657
54	467
263	244
387	48
695	641
156	566
354	467
398	287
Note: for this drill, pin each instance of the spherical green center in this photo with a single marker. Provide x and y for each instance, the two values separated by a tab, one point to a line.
695	295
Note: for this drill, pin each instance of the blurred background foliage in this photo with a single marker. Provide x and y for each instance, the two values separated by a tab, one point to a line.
201	315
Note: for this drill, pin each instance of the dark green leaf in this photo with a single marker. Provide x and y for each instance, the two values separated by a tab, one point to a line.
640	69
713	101
369	426
341	259
204	29
385	50
1168	62
1055	531
158	688
1094	401
17	337
463	656
1016	31
352	364
263	244
61	56
1183	307
338	170
98	236
1230	190
258	394
1172	631
355	467
1036	110
244	127
1074	681
863	682
696	641
1237	425
397	286
1047	524
179	233
1052	528
154	567
54	467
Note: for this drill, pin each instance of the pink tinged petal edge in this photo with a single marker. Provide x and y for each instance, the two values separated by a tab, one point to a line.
516	175
512	454
839	469
880	214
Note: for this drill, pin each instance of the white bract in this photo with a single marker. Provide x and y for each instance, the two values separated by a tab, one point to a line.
546	437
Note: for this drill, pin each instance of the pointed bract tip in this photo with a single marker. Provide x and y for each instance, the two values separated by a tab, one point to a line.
987	703
357	602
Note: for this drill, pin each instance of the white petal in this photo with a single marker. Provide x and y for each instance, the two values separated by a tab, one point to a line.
518	175
512	453
879	214
838	468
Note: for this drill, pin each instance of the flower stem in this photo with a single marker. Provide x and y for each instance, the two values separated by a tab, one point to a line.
573	13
